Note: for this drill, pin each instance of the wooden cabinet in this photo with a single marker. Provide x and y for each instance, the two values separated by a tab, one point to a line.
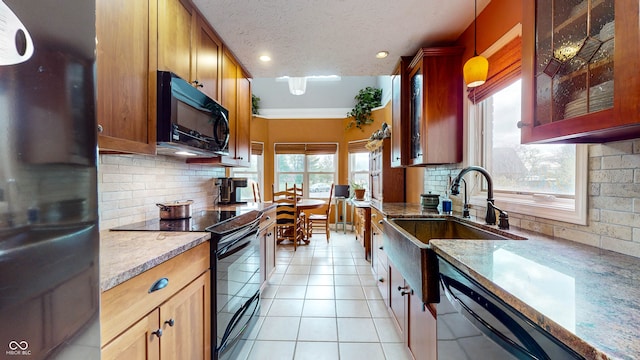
171	322
386	183
207	57
126	75
578	86
362	224
379	262
435	106
416	320
399	111
267	244
176	24
236	97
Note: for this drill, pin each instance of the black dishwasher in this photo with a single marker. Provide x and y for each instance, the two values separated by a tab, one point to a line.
475	324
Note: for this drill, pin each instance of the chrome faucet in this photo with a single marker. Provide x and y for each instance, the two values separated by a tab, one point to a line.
490	219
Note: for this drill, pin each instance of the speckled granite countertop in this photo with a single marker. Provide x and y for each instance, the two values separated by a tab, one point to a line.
125	254
588	298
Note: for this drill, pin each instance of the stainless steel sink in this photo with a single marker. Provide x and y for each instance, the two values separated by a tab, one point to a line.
406	243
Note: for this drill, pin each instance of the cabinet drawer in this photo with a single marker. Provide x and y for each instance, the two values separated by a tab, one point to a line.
268	219
128	302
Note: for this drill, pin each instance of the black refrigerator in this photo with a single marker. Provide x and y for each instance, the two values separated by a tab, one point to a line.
49	240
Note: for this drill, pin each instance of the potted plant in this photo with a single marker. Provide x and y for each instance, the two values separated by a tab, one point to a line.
255	104
367	99
358	190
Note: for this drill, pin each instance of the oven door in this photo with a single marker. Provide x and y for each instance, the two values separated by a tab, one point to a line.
237	286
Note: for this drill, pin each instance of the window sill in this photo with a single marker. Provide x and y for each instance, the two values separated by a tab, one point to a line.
558	209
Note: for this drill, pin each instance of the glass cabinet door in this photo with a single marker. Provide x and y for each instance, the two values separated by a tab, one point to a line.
416	116
574	67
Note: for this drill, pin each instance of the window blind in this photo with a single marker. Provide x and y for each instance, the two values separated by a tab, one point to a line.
504	68
308	149
357	146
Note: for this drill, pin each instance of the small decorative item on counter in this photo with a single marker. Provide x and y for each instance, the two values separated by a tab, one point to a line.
447	205
430	201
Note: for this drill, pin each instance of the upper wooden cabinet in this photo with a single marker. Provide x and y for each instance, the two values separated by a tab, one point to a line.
126	81
176	24
188	46
578	86
207	56
387	183
435	106
399	111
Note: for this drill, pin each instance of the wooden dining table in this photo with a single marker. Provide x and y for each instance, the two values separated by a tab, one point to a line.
308	204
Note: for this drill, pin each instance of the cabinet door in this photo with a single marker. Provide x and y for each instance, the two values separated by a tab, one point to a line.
229	101
243	121
416	101
176	19
137	343
185	320
399	121
126	82
208	50
578	86
422	329
397	301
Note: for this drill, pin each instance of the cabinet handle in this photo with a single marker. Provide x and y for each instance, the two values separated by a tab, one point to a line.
268	217
381	247
397	157
404	292
170	322
100	129
157	333
269	234
380	222
159	285
400	288
521	124
197	83
381	280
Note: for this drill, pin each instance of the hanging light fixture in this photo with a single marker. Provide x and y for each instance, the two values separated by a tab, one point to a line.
475	69
297	85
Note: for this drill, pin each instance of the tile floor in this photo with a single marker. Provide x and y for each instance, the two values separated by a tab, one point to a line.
322	302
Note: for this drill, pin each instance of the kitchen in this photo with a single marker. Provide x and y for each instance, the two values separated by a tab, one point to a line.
130	185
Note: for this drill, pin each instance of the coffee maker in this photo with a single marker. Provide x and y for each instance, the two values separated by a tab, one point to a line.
230	190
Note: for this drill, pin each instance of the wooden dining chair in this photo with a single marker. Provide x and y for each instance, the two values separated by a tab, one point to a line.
289	226
321	220
256	192
297	189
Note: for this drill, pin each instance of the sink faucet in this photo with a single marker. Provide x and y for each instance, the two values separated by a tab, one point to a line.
465	205
490	219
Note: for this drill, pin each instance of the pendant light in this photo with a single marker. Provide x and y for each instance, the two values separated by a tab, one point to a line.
475	69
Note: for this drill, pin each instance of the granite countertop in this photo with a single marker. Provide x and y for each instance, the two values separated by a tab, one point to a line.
588	298
125	254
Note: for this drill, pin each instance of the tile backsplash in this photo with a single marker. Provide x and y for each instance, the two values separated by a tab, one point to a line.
613	200
129	186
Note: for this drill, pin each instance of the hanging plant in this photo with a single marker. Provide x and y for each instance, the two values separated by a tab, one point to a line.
255	104
367	99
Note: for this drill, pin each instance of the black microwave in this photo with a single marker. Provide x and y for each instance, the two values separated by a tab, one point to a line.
189	122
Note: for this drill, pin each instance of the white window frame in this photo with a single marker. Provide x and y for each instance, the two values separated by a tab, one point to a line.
571	210
353	172
560	209
305	173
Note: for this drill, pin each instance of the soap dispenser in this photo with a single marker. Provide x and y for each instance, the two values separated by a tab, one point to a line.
446	204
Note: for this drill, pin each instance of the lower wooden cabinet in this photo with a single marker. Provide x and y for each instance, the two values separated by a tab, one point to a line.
267	244
173	322
361	222
378	256
416	320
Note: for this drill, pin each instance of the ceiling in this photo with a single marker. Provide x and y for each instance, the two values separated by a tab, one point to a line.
333	37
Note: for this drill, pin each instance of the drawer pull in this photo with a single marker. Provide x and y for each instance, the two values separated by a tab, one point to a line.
381	247
159	285
381	279
170	322
157	333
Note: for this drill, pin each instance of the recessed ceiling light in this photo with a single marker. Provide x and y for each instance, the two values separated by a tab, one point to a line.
382	54
265	58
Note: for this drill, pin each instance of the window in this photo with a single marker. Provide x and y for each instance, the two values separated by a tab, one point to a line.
254	173
359	163
312	165
547	181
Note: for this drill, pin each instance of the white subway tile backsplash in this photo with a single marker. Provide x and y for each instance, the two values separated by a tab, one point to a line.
129	186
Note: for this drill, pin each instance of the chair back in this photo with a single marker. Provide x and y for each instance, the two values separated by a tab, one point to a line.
297	189
256	192
286	207
329	202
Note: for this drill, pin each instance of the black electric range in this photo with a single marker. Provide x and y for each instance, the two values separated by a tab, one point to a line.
198	221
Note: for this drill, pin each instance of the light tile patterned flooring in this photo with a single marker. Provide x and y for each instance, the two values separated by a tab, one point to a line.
322	302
